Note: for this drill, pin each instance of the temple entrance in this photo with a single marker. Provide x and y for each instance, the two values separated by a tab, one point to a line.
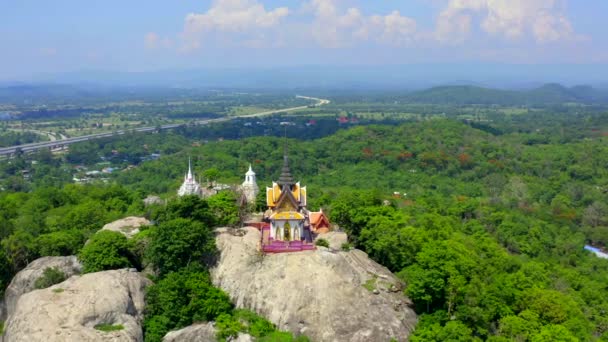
287	232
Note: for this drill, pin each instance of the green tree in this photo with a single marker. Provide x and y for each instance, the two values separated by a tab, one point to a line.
179	243
106	250
60	243
225	209
181	298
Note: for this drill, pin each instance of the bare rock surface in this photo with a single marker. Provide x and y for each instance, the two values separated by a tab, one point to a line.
24	281
335	239
69	311
127	226
328	296
153	200
202	332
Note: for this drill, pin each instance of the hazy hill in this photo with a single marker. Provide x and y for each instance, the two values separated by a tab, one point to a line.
547	94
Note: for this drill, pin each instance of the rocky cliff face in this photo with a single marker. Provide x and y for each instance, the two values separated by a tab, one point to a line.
23	282
326	295
127	226
71	310
203	332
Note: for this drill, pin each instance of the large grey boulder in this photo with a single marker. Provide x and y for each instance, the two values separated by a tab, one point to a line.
326	295
24	281
335	239
70	311
127	226
202	332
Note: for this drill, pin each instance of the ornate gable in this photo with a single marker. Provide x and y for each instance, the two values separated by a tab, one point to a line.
287	202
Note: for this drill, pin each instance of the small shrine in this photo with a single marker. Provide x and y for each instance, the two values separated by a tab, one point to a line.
287	223
190	186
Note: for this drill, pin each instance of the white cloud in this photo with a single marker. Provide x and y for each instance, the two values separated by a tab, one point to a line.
333	28
237	17
543	20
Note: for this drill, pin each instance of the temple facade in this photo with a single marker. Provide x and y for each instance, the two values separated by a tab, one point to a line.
249	188
287	225
190	185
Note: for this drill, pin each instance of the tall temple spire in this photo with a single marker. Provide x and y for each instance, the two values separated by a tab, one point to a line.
189	169
286	178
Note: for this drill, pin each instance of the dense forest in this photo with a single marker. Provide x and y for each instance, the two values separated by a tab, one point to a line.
484	221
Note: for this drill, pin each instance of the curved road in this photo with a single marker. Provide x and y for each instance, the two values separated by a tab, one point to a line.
7	151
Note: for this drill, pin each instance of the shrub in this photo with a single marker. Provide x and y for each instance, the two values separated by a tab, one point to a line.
180	299
322	242
254	324
109	327
106	250
227	327
281	336
50	276
346	247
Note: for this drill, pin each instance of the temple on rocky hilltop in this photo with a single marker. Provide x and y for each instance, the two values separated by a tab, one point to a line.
288	225
190	185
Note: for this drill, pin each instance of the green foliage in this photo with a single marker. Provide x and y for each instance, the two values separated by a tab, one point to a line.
322	242
109	327
453	331
346	247
370	284
50	276
224	208
227	327
179	243
106	250
484	221
187	207
60	243
181	298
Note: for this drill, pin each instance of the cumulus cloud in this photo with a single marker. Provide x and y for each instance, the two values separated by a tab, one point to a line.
335	28
238	17
543	20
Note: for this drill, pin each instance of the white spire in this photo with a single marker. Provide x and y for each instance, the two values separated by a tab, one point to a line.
189	169
250	172
190	186
250	187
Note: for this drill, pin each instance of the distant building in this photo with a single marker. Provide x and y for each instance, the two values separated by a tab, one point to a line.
190	186
250	188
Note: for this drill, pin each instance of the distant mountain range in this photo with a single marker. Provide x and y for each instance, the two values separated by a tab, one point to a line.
547	94
552	93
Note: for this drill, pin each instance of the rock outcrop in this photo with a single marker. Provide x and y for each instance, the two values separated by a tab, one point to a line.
203	332
326	295
71	310
127	226
335	239
24	281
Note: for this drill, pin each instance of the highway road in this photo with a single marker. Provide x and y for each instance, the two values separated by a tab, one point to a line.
8	151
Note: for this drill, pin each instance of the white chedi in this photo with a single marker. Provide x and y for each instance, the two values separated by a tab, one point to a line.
190	186
250	187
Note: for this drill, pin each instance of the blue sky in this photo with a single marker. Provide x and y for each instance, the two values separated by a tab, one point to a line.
136	35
